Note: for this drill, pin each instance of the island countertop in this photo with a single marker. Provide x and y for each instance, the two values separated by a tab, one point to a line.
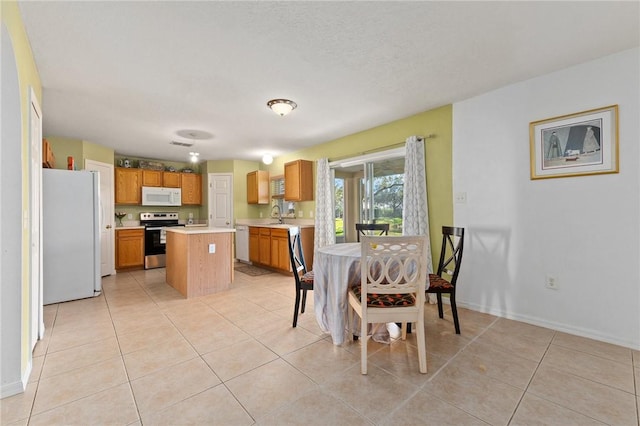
198	230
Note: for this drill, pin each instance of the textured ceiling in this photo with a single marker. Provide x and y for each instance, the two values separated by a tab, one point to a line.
131	75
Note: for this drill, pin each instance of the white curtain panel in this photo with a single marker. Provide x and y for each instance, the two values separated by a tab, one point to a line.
415	211
325	232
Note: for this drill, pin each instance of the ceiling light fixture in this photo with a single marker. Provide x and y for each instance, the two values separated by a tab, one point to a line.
282	107
267	159
194	156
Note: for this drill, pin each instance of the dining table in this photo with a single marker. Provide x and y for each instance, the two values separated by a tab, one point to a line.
335	268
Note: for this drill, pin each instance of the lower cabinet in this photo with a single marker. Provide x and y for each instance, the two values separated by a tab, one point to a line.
129	248
270	247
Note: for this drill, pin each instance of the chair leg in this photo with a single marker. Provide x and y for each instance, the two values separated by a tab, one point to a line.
363	347
297	307
440	313
422	346
454	311
403	330
304	300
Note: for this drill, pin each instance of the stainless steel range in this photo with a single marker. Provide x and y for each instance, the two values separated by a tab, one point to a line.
155	236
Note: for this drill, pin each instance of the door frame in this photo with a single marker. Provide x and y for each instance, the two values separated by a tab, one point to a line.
107	211
36	328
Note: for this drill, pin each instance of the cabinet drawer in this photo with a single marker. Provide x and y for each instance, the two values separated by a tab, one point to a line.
129	233
265	231
282	233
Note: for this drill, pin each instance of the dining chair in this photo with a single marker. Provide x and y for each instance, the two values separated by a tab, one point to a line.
363	229
393	272
303	277
449	264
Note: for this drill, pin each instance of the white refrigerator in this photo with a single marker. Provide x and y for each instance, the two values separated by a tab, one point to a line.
70	235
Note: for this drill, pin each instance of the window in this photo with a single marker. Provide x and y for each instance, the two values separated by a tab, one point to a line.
368	189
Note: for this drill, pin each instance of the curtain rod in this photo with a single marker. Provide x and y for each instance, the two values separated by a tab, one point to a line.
384	148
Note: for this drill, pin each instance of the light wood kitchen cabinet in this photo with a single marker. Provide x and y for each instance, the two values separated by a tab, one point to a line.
129	248
191	184
258	187
254	244
265	246
171	180
270	247
151	177
128	184
298	181
48	159
280	249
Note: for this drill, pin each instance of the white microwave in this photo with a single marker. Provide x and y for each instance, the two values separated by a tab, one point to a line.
157	196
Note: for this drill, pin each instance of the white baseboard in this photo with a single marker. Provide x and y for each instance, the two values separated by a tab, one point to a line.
577	331
15	388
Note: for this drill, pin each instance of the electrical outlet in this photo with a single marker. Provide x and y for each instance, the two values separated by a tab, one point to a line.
190	215
311	213
461	197
299	213
129	216
212	248
551	282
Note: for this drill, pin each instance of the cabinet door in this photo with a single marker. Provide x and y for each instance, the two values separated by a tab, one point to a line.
298	181
280	249
191	188
258	187
151	178
265	246
128	183
254	244
129	248
171	180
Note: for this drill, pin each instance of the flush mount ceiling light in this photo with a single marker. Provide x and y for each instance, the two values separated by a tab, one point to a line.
267	159
282	107
194	156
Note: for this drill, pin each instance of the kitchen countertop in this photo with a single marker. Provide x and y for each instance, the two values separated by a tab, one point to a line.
198	230
129	227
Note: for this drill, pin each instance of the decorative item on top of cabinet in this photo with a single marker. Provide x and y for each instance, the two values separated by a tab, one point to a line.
191	188
128	183
298	181
48	159
258	187
151	177
129	248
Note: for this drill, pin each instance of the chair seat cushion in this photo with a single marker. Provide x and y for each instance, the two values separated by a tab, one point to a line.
385	300
307	278
437	283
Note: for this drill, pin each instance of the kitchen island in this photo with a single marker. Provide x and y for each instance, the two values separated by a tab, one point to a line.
199	260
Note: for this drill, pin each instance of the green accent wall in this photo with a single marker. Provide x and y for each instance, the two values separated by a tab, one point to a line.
80	150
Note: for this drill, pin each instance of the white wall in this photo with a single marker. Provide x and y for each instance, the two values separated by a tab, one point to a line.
583	230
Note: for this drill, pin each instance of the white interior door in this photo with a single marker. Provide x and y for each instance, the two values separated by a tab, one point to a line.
107	232
221	200
35	140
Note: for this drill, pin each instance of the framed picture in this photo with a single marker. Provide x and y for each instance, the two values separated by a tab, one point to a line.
579	144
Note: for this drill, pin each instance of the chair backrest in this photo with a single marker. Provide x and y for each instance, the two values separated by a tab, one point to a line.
298	266
394	265
451	253
372	229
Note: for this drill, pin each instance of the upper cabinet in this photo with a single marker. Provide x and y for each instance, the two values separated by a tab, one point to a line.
171	180
128	183
151	177
258	187
298	181
160	178
191	184
48	159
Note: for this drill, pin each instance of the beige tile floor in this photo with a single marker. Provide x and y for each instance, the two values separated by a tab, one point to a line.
142	354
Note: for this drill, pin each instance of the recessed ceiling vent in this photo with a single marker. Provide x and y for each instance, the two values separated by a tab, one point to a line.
188	144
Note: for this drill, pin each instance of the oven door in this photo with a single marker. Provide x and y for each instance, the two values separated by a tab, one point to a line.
154	243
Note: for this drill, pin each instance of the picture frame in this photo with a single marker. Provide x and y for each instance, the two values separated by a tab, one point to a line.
579	144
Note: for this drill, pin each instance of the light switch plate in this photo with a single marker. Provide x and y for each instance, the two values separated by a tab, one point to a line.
212	248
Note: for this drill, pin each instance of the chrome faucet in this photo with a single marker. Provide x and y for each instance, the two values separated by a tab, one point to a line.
275	206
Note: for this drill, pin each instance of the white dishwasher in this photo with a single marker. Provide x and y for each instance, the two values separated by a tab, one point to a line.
242	243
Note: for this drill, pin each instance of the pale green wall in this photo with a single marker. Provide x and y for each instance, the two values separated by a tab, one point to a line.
28	79
95	152
80	150
438	160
